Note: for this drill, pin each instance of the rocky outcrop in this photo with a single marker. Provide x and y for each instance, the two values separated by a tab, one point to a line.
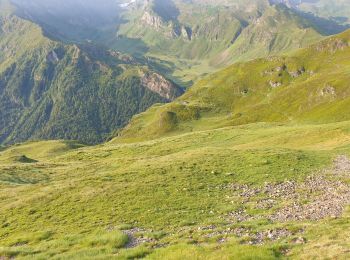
275	84
161	85
53	57
186	33
172	29
332	45
178	30
297	73
327	91
152	20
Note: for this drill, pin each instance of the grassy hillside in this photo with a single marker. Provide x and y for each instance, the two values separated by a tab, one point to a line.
308	86
182	39
205	36
252	162
50	90
197	194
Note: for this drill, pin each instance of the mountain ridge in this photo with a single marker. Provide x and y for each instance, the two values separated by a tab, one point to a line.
222	35
43	85
195	38
301	87
252	161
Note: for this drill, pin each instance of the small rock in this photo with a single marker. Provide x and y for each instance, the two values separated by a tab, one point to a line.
299	240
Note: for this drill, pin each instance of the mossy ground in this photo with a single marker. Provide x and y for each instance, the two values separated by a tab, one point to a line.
75	202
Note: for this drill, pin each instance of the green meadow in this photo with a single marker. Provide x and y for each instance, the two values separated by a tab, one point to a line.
69	201
251	162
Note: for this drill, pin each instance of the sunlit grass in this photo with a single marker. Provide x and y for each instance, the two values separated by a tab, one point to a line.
164	186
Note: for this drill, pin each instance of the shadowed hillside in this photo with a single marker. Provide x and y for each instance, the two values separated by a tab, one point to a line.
50	90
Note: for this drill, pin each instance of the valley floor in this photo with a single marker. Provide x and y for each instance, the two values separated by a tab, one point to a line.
259	191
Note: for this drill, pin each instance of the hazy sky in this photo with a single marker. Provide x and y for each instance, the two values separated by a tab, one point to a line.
71	5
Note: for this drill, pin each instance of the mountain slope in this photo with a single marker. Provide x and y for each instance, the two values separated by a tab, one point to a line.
210	194
50	90
311	85
205	36
181	39
253	162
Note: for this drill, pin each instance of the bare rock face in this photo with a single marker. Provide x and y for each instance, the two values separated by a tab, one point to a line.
161	85
53	57
152	20
171	29
186	33
332	45
178	30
